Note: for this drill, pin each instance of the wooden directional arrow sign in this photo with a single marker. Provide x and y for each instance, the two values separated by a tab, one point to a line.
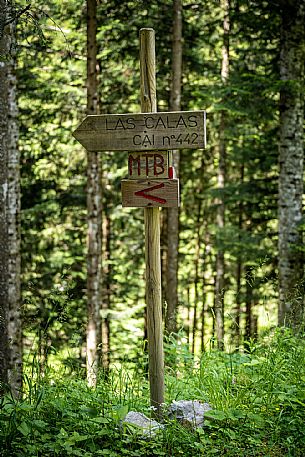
148	193
143	131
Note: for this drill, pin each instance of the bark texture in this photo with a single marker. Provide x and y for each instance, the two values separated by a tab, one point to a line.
173	213
94	209
249	303
13	219
196	279
5	44
239	268
291	163
220	218
105	325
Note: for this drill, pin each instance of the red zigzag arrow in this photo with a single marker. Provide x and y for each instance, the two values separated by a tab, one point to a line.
144	193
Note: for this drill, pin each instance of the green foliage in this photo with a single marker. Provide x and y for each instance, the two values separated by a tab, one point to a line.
51	85
257	398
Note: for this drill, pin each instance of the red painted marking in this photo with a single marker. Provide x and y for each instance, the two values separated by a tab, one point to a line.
147	156
143	193
131	161
171	172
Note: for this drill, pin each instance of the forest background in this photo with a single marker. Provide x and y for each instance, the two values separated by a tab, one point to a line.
235	197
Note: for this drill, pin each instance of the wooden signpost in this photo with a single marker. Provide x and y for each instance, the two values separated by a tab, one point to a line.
143	131
151	183
153	192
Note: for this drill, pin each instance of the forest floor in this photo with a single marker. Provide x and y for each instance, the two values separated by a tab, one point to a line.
258	401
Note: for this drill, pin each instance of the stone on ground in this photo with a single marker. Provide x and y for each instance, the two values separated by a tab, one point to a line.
147	426
189	412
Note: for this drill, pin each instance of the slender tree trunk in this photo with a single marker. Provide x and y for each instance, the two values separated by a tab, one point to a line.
220	219
188	328
291	162
13	218
204	294
173	213
239	268
106	292
219	299
202	347
254	326
196	279
249	300
236	333
94	208
213	319
5	44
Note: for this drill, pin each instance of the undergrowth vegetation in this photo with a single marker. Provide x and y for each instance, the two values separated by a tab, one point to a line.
258	401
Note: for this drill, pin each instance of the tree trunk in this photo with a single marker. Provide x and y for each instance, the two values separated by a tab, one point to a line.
291	161
202	334
188	326
249	300
5	44
236	332
173	213
13	219
94	209
220	219
106	292
219	298
204	294
196	279
206	279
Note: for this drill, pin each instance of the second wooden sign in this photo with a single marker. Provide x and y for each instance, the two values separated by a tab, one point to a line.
148	193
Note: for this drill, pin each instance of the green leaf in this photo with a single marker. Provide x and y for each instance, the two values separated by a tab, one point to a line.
77	437
215	414
120	412
102	420
296	400
235	414
92	412
230	433
107	452
257	418
24	429
39	424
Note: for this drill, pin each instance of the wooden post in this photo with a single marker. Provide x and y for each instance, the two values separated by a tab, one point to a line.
152	237
145	187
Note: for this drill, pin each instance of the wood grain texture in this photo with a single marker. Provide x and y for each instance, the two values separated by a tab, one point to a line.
154	307
152	238
150	193
143	131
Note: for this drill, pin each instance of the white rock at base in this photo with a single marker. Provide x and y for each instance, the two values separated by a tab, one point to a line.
189	412
149	426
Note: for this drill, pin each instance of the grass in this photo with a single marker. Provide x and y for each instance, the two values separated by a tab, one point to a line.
258	401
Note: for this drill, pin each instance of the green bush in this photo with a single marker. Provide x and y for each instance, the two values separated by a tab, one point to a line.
258	401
